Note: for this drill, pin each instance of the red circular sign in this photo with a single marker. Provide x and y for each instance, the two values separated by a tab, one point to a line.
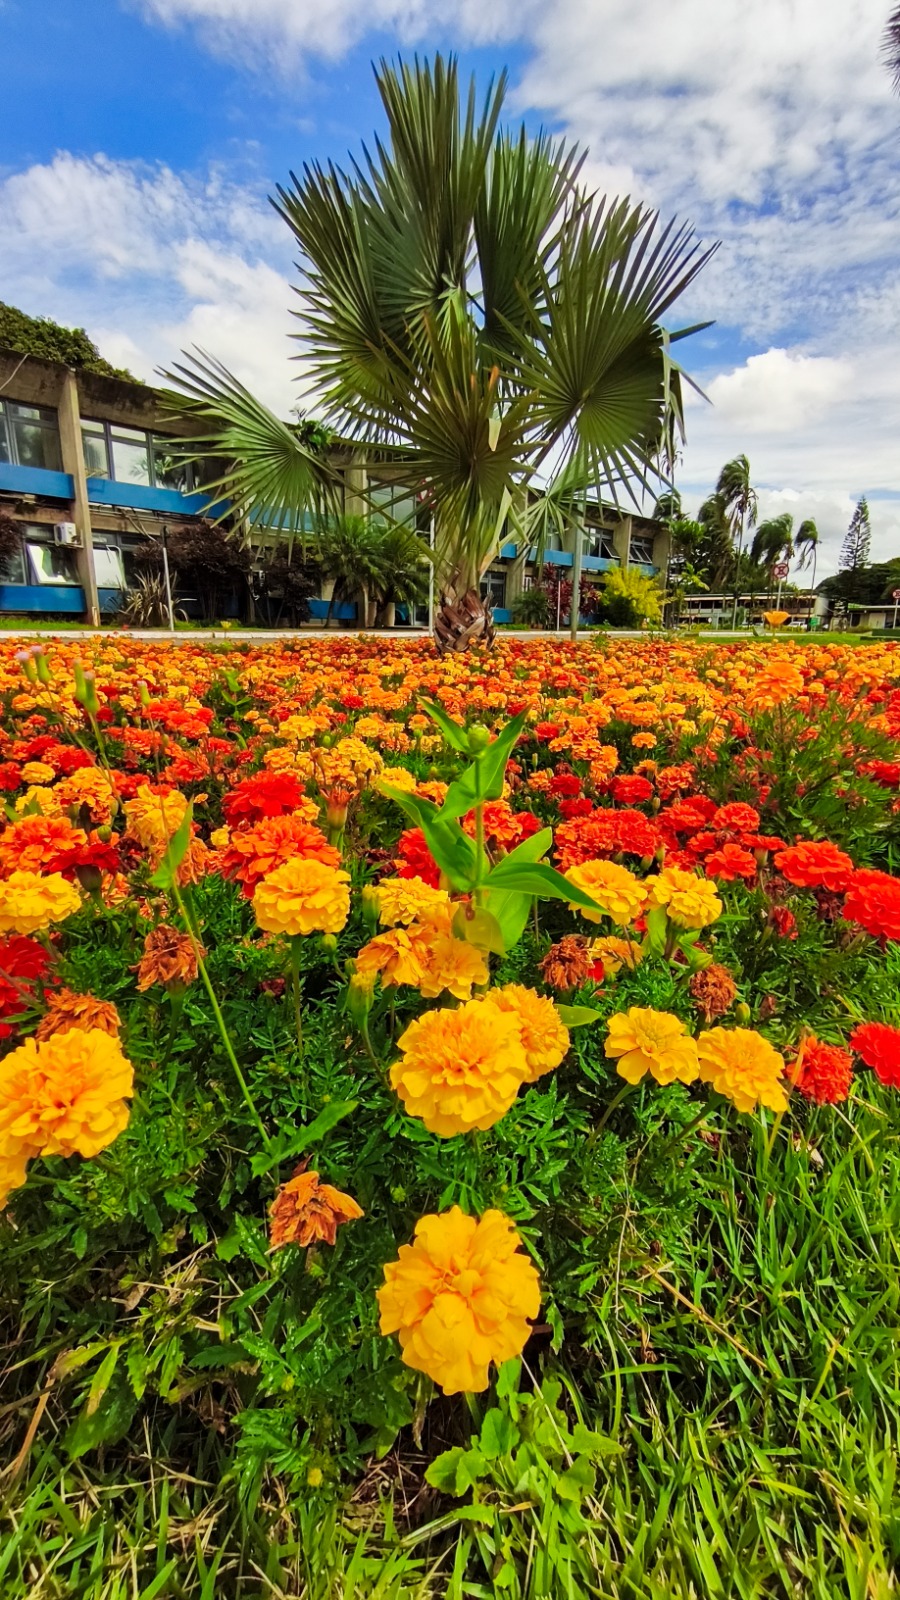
782	569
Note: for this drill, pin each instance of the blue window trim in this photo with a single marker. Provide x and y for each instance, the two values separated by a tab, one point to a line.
36	480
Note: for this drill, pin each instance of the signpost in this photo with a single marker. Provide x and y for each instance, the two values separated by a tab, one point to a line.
780	571
895	596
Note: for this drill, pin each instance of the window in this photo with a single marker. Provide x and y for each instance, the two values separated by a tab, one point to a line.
641	549
29	436
132	455
48	562
399	502
599	542
108	568
493	587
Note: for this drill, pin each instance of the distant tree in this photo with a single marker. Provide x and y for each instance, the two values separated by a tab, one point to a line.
39	336
857	541
806	545
773	541
715	551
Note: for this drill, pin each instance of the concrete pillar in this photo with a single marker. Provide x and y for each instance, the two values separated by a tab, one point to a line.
661	546
356	482
621	537
73	463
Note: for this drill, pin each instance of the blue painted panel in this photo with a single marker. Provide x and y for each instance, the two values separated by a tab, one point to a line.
598	563
344	612
557	558
46	597
141	497
501	614
509	551
645	569
36	480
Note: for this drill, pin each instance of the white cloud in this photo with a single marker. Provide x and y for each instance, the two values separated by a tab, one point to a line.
780	391
152	261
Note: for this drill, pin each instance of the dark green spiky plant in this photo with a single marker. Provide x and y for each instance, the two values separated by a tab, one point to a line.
468	302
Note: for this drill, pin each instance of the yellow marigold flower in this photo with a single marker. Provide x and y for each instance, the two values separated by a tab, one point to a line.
405	899
690	902
220	838
400	778
460	1069
13	1172
448	963
303	896
38	795
641	1040
65	1095
614	954
29	902
38	772
460	1297
617	891
743	1066
394	957
67	1010
545	1039
154	818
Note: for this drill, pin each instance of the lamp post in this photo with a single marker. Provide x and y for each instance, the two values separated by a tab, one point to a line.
168	581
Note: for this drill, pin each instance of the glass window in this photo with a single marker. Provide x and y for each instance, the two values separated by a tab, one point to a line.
50	563
599	542
12	569
108	567
5	449
493	587
96	450
169	471
29	436
396	500
641	550
131	457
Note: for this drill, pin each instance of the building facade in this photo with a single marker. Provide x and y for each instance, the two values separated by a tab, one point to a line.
88	475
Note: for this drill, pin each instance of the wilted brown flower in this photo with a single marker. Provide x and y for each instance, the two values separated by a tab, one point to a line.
568	964
66	1010
305	1211
169	958
714	990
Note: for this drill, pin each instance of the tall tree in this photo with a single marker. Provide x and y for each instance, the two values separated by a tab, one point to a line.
740	503
715	551
806	544
773	541
857	540
468	300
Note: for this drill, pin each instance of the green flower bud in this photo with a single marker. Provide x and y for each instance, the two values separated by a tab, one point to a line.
479	738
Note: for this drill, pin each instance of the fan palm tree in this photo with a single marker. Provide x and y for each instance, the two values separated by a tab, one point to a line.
773	541
739	501
890	47
467	300
349	551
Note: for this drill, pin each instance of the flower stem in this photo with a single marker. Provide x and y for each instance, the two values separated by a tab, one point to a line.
614	1103
298	996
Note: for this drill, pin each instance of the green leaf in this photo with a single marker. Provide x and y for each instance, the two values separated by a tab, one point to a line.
586	1442
287	1147
453	850
510	912
578	1016
175	852
456	1470
102	1378
483	778
107	1425
499	1434
508	1378
454	733
538	879
481	929
657	930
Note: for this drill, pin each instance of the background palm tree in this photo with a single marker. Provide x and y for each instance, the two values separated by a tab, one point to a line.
403	576
739	500
349	551
773	541
806	544
715	551
890	47
467	299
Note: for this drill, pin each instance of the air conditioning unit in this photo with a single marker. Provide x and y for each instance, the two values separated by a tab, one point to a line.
65	533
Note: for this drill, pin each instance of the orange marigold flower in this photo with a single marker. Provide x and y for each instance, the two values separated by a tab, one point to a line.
91	787
253	853
873	900
460	1297
730	862
169	958
306	1212
66	1009
545	1038
65	1095
34	843
460	1069
878	1045
641	1040
30	903
303	896
822	1072
743	1066
395	957
815	865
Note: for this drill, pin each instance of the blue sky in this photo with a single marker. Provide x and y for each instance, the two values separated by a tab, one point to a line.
140	138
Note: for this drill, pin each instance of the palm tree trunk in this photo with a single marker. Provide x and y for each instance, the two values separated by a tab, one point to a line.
462	618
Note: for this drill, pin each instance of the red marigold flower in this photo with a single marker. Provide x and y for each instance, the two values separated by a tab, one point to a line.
265	794
815	864
415	859
637	835
10	777
822	1072
566	784
879	1047
687	816
544	731
887	773
731	862
579	807
785	922
873	900
630	790
736	817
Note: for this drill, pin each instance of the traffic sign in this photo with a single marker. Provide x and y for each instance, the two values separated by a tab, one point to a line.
895	594
781	570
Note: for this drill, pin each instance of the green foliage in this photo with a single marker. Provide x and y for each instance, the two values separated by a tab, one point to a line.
630	598
40	336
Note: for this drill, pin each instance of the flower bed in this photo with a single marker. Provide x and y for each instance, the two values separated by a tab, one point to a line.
379	1030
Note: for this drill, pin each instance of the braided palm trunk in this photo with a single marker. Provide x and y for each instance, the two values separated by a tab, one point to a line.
461	620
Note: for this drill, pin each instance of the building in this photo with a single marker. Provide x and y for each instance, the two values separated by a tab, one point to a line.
88	475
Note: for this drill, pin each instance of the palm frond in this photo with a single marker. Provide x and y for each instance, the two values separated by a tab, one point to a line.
890	48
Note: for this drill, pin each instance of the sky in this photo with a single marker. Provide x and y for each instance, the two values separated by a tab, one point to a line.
140	140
